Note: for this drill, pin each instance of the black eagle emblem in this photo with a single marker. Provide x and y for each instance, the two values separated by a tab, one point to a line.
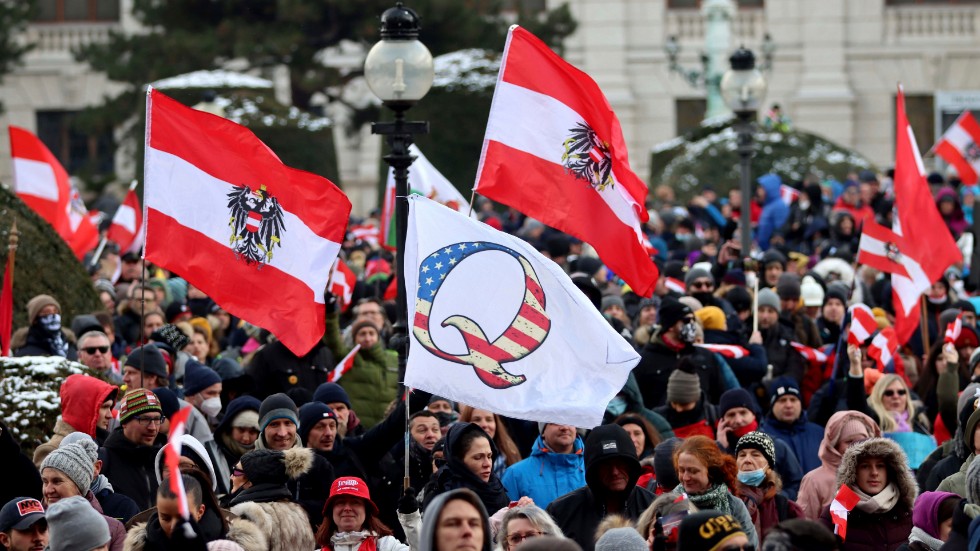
587	157
972	152
256	223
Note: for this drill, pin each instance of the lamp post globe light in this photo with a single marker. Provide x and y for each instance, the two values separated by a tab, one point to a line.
399	70
743	88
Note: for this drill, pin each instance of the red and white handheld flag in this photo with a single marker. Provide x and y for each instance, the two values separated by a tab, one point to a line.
555	151
884	349
863	324
674	284
843	503
928	247
42	183
812	355
344	365
788	194
171	457
953	330
127	224
881	248
498	326
732	351
342	282
255	235
960	147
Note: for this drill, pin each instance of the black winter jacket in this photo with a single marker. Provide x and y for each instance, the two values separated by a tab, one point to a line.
657	362
130	467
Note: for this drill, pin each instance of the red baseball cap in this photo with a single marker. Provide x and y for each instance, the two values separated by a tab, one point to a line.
349	486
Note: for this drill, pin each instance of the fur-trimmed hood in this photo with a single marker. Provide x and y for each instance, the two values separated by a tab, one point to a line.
895	460
277	467
285	525
241	531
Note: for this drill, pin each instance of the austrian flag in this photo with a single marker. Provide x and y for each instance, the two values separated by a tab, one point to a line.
225	213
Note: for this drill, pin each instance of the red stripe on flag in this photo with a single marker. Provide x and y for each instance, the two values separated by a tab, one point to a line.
294	316
954	156
564	196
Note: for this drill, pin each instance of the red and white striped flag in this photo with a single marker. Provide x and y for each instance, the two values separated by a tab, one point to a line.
224	212
555	151
883	349
843	503
788	194
727	350
42	183
863	324
953	330
368	233
342	283
960	147
812	355
127	224
674	284
171	457
344	365
881	248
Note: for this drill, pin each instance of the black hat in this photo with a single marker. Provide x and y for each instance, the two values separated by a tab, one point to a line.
788	287
782	386
671	311
836	290
707	531
773	256
176	309
663	463
149	359
739	298
737	398
311	414
277	406
607	442
20	513
169	403
331	393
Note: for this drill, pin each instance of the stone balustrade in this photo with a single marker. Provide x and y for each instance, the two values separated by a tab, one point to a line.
57	38
688	25
911	24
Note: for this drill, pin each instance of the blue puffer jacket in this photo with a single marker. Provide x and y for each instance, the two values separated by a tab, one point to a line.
546	475
803	437
774	213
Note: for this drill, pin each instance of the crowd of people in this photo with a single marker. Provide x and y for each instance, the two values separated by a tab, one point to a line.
746	415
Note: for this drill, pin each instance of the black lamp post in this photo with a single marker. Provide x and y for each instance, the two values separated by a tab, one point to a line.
743	88
398	69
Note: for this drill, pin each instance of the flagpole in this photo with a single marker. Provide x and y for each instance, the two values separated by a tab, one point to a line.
924	325
98	252
755	304
472	198
407	481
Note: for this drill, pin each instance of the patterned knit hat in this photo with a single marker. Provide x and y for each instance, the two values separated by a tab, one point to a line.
758	441
136	402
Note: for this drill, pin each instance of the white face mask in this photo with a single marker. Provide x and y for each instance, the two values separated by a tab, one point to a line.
211	407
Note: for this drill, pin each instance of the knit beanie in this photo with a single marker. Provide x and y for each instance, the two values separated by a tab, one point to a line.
691	302
198	377
663	463
788	287
925	512
695	274
169	403
648	301
838	291
74	525
739	298
737	398
136	402
621	539
782	386
311	414
707	531
772	256
811	291
76	460
671	311
329	393
148	358
712	317
683	387
246	419
78	437
277	406
612	300
761	441
768	298
38	303
224	545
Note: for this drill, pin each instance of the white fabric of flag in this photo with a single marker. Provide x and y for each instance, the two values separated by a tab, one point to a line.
512	333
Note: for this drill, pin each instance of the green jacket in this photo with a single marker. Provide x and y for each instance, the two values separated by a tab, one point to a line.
372	382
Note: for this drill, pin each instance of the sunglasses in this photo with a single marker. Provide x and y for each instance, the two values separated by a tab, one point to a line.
702	285
94	349
889	393
237	472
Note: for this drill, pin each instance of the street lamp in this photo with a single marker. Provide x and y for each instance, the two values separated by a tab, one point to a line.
743	88
398	69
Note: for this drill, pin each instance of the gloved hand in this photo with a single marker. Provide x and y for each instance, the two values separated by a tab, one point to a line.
174	337
330	301
408	503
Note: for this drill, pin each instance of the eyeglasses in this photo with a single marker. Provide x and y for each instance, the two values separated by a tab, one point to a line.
702	284
889	393
94	349
515	539
147	421
687	320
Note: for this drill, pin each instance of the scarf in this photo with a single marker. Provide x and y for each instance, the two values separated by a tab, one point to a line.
742	431
237	450
455	474
50	340
367	541
901	421
920	535
881	503
715	497
100	483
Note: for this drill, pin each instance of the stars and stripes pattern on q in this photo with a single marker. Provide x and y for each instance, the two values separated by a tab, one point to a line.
498	326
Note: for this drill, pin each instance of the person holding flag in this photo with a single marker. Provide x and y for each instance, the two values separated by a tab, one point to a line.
877	471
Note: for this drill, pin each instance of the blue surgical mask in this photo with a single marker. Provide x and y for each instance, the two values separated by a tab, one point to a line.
752	478
617	406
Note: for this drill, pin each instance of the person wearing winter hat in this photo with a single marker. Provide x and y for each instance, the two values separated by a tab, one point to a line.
317	426
645	320
202	389
759	484
44	335
687	410
777	333
351	519
192	454
663	466
787	422
812	294
611	472
932	520
672	343
805	329
130	451
145	368
22	525
336	397
711	530
773	265
233	437
625	539
613	306
86	406
265	499
67	472
832	312
877	471
111	503
73	525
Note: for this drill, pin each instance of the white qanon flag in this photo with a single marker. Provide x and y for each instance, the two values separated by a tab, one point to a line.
512	333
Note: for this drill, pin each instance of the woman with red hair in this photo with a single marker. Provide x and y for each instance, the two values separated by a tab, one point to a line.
709	479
